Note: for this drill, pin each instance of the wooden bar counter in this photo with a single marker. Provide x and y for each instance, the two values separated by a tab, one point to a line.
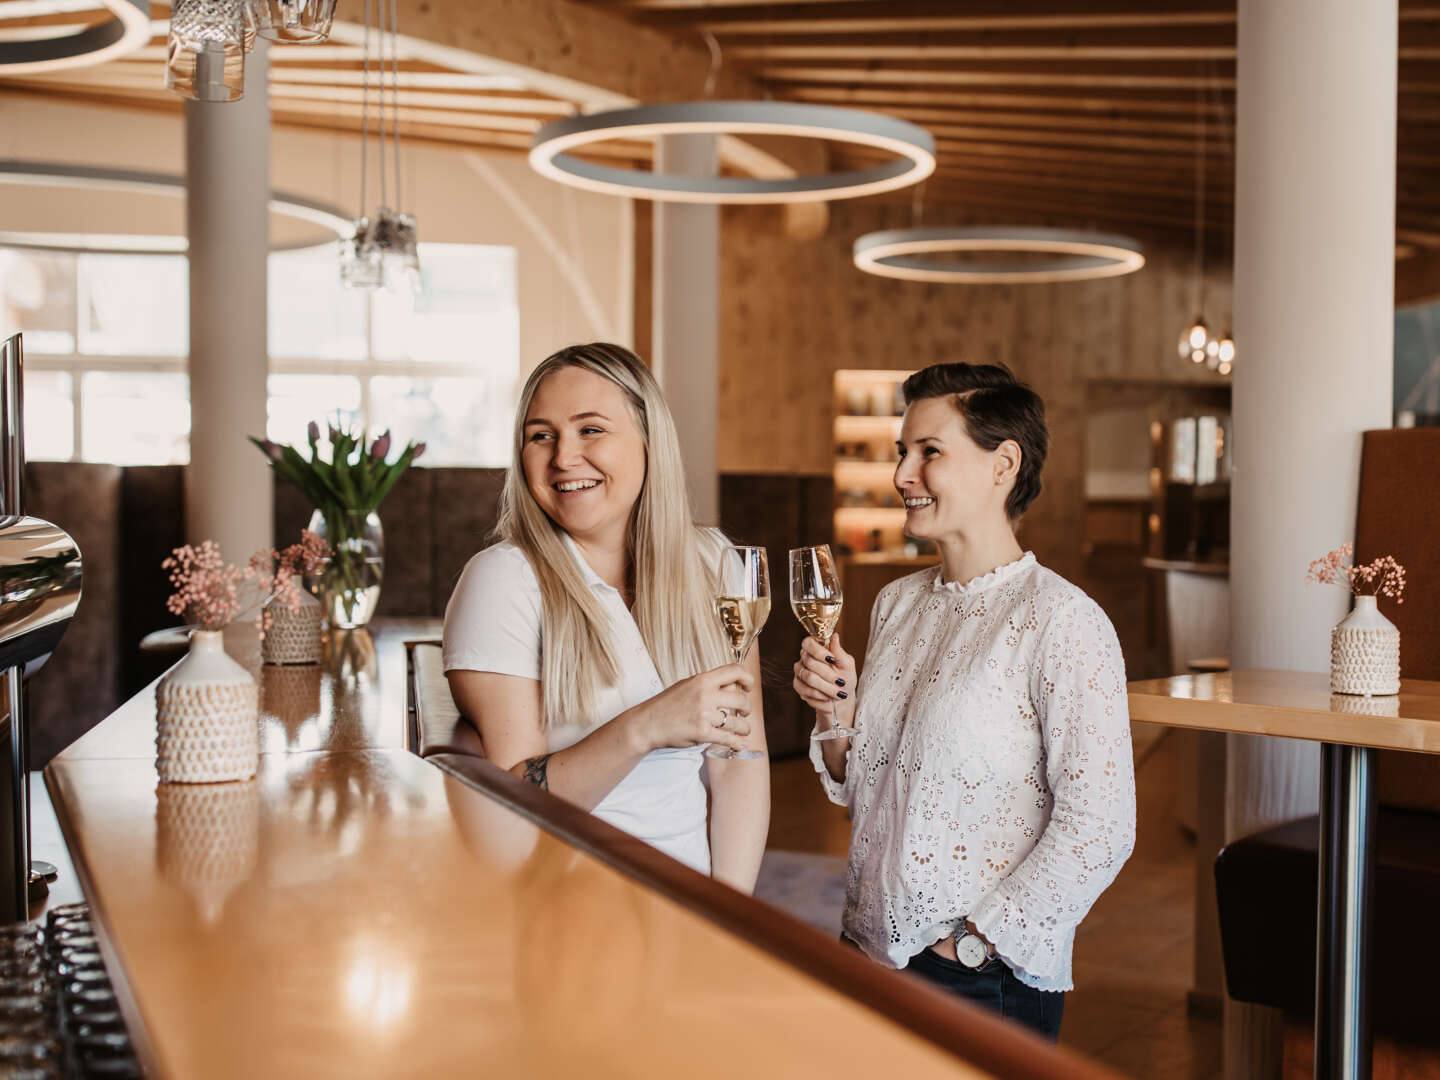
355	910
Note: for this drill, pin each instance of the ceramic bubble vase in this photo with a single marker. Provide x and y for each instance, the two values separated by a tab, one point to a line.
207	726
1365	652
295	634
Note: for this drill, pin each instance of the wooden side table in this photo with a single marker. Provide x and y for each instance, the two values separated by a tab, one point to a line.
1299	705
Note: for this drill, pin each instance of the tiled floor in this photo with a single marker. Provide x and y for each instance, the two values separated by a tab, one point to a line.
1133	952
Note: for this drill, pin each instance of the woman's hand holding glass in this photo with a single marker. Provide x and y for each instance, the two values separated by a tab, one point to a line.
712	707
825	680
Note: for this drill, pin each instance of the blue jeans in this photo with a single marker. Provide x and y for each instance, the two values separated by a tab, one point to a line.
996	988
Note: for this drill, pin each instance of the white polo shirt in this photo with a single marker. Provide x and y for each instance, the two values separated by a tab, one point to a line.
492	623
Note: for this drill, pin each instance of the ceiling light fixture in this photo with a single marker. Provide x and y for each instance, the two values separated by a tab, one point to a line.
913	145
54	174
909	254
67	48
384	248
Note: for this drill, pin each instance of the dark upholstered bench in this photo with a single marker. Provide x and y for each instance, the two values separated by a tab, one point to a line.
435	725
1267	884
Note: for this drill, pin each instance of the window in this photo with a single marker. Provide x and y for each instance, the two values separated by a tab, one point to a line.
106	340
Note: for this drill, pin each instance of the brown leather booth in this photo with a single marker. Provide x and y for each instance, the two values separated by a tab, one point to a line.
1266	884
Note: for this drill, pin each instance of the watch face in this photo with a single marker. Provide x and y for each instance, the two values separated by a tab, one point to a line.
970	951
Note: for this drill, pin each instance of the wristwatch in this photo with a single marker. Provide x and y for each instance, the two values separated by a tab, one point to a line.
970	948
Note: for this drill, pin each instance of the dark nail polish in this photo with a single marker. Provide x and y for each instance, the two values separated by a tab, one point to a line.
839	682
829	659
843	694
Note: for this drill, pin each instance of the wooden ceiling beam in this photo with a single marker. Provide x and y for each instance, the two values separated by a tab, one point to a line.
1144	45
1077	122
1109	104
1087	75
1146	144
976	14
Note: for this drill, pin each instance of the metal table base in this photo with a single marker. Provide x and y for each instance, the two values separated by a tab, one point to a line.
1344	1040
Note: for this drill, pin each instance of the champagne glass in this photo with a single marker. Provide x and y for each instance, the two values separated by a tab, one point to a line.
816	598
742	601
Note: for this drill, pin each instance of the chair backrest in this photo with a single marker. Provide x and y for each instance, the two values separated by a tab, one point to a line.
1399	514
436	726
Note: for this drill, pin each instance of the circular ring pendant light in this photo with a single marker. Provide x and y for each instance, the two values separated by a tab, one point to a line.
915	147
92	178
127	30
1074	256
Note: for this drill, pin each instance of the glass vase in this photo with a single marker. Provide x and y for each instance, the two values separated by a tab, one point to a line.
300	22
348	582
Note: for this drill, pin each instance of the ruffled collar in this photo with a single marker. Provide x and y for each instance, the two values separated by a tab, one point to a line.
984	581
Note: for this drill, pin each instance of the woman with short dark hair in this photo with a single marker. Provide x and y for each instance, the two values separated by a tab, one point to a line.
991	783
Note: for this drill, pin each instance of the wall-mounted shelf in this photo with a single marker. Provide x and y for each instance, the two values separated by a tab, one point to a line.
866	428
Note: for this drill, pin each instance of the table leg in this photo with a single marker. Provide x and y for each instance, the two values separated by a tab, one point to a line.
1343	1038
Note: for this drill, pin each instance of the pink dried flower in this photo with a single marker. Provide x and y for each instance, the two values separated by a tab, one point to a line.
1383	577
278	573
206	587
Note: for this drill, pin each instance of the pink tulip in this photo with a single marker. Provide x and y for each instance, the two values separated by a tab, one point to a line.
419	449
380	447
313	430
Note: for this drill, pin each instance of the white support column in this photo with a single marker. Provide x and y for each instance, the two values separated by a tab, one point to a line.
1314	323
686	324
227	168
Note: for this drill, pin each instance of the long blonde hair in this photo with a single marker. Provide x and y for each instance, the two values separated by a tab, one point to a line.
674	578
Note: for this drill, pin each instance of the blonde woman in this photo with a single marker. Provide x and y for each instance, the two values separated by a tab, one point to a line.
585	645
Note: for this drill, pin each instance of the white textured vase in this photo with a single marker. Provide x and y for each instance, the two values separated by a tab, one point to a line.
1365	652
207	726
294	634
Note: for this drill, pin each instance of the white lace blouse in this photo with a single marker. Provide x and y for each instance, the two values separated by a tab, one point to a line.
993	777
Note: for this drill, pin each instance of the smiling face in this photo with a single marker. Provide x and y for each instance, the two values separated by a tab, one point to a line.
949	483
584	454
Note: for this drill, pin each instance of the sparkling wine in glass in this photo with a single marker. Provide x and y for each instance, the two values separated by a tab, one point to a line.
816	599
742	602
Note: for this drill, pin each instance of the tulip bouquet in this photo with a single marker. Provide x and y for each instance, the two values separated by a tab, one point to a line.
345	491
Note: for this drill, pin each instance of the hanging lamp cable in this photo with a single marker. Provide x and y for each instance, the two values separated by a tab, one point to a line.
364	108
395	98
1200	193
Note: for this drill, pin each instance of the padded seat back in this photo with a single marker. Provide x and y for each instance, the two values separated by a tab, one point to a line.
1399	515
436	726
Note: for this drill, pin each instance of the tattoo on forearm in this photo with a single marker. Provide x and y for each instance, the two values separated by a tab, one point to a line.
537	771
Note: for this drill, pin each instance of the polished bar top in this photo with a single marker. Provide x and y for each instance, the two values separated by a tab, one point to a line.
1294	704
356	911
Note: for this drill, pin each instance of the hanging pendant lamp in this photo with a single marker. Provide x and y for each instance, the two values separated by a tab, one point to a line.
913	145
910	254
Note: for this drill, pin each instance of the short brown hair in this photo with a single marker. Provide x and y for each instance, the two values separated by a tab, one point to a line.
995	406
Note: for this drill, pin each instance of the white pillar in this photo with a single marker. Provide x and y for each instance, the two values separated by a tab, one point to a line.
1314	322
686	321
227	177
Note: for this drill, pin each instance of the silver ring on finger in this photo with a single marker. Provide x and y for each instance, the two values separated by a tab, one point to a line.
721	722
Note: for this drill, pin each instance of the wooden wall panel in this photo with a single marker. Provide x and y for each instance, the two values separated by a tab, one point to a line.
793	312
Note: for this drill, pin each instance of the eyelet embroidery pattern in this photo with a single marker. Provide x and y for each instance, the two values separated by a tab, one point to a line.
993	775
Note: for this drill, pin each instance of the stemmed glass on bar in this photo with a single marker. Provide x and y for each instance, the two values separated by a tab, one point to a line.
742	601
816	599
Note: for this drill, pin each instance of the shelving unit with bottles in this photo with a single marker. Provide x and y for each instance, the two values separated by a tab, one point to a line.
869	517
